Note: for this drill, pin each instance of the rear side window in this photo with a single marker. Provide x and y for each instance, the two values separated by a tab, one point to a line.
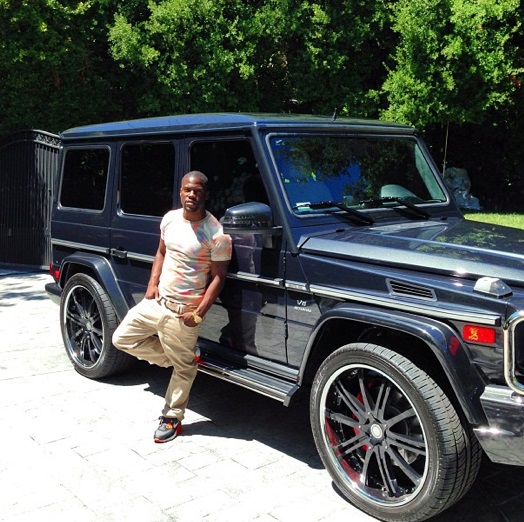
147	178
85	178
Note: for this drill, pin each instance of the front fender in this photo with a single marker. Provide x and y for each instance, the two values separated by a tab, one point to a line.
442	340
104	274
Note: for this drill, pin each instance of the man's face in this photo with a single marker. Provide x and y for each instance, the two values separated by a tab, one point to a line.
193	195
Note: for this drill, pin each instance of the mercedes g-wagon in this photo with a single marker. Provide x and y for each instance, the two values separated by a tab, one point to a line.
355	278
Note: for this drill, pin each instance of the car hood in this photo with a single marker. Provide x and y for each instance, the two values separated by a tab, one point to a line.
457	246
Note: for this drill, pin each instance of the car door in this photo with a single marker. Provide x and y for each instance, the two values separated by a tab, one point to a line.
249	316
144	193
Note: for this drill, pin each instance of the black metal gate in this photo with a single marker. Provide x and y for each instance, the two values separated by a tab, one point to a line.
28	163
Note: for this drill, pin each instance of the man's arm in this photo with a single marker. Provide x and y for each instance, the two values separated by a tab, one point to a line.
218	278
156	270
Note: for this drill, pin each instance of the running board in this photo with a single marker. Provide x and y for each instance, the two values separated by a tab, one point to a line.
251	379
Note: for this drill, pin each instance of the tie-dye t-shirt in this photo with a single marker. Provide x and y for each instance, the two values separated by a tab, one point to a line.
190	248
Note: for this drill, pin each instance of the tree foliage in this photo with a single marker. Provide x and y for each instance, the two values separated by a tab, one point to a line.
456	60
270	55
54	64
419	61
447	66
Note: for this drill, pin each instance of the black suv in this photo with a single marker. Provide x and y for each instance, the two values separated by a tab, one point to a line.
355	278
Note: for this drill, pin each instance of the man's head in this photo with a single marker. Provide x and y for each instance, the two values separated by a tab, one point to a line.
193	194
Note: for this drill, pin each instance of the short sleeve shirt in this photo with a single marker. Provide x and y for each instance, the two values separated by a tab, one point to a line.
191	246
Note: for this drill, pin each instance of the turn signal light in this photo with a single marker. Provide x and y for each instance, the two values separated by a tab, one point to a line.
479	334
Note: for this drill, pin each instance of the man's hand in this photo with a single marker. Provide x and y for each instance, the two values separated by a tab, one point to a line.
188	319
152	292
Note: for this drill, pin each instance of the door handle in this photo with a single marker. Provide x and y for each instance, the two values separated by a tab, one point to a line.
119	252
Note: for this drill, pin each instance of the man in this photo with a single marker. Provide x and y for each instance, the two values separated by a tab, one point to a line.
188	272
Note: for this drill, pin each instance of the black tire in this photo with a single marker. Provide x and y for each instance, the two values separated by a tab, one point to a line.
88	320
388	435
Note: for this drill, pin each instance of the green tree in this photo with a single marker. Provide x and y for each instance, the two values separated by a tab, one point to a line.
266	55
336	54
456	60
55	68
193	52
442	65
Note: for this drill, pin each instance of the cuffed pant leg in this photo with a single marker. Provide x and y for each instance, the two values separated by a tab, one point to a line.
179	342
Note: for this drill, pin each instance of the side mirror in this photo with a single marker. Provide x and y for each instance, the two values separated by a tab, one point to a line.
249	218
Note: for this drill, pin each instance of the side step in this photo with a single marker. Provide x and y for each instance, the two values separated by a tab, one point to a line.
250	378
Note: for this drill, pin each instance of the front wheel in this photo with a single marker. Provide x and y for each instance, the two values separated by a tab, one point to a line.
88	321
389	436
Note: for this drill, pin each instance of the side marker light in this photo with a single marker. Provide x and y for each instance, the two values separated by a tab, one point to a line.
479	334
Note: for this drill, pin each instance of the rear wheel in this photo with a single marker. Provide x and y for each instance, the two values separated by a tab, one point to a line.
88	321
388	435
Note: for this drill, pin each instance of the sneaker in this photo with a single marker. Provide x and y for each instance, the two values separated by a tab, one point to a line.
168	429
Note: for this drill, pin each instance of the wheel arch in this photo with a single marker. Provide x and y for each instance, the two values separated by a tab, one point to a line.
428	343
99	269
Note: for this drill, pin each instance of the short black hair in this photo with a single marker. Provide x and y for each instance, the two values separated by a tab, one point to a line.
197	174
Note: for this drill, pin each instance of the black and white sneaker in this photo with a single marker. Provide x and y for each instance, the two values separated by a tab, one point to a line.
168	429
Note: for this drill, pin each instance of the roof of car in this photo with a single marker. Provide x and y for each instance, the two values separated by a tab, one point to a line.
218	122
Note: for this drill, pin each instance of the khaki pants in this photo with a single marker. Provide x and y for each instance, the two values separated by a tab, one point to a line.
174	346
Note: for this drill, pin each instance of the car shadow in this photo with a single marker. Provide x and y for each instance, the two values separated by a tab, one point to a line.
231	411
223	409
496	496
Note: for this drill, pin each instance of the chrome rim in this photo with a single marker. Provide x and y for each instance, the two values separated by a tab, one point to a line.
374	436
83	326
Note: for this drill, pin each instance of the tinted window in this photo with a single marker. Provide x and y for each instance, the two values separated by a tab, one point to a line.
232	172
353	170
146	183
85	178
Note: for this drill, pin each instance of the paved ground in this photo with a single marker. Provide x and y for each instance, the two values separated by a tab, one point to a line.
82	450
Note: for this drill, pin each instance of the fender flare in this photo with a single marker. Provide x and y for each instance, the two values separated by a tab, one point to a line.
104	275
443	341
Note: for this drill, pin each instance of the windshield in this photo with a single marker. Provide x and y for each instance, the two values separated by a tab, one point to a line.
351	171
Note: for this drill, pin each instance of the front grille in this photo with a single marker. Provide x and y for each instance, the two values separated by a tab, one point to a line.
514	352
404	289
518	339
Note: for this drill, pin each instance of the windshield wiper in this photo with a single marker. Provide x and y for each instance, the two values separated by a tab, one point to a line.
363	218
376	202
